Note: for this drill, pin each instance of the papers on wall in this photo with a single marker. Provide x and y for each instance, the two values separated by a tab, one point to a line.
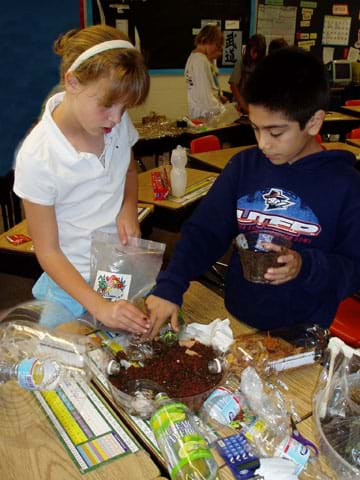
328	54
277	21
336	30
353	55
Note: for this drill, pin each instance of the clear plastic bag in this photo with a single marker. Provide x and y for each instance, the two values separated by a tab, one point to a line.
124	272
265	402
337	409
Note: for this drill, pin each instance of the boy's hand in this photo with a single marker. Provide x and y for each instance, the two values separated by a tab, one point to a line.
123	315
290	269
160	311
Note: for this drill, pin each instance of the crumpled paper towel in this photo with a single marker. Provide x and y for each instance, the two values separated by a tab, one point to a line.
217	334
276	469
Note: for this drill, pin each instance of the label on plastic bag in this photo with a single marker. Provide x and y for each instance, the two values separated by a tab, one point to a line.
295	451
112	286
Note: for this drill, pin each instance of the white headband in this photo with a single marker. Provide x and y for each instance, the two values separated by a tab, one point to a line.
100	47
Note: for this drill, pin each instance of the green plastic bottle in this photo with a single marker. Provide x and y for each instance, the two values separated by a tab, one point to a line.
186	452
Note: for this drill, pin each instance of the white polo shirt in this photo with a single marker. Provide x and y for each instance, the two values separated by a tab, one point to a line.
86	195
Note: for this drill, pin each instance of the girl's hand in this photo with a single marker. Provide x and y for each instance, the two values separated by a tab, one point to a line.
160	311
127	225
123	315
290	269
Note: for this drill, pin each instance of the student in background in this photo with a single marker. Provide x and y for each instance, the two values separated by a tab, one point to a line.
255	50
75	170
287	185
277	43
201	73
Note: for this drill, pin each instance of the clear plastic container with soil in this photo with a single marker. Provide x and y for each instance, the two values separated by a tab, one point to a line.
182	371
255	258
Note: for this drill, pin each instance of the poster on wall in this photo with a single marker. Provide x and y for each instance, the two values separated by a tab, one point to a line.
277	21
232	46
336	30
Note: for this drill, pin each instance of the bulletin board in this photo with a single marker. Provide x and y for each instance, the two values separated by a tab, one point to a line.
318	25
277	21
166	29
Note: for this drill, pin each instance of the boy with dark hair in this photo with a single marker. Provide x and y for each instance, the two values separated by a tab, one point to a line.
320	191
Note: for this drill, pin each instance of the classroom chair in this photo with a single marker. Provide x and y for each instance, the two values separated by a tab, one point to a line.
9	202
346	324
352	103
205	144
355	133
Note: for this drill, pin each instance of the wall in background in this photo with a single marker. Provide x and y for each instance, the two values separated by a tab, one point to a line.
168	97
29	68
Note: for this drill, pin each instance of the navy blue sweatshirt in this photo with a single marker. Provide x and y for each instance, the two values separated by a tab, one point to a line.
314	201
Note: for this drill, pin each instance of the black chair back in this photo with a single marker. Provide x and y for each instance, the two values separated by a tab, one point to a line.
9	202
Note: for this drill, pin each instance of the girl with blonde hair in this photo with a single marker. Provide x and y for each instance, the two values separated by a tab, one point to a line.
75	171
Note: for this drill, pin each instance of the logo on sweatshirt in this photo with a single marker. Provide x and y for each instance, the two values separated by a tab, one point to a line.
276	199
279	210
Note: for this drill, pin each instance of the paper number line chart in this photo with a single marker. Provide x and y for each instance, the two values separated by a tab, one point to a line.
90	432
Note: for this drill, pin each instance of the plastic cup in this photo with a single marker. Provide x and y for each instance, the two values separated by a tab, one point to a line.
254	257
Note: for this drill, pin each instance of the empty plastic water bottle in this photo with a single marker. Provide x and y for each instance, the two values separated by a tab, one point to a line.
178	174
33	373
186	452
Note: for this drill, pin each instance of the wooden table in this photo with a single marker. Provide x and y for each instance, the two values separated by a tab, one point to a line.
169	214
337	123
354	141
302	380
163	137
352	109
217	159
203	306
343	146
30	448
339	117
21	260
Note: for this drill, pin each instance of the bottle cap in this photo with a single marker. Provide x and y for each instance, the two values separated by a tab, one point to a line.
161	396
215	366
113	367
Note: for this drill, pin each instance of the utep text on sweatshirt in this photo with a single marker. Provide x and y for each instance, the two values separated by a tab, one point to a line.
315	202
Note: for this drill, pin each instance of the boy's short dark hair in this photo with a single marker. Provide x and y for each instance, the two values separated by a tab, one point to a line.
291	81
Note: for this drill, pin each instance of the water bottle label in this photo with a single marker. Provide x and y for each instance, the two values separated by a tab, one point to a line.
295	451
222	405
34	374
178	438
293	361
29	376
